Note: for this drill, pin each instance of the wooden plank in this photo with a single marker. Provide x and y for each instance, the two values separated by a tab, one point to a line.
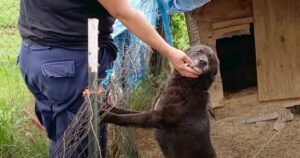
234	22
220	10
216	89
216	92
266	117
277	37
227	30
193	29
246	102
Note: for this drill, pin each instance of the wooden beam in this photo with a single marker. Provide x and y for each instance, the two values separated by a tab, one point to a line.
234	22
216	89
193	29
232	29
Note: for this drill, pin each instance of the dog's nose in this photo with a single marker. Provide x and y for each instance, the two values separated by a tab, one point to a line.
202	62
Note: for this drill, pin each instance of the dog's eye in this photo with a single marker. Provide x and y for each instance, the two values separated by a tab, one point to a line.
200	51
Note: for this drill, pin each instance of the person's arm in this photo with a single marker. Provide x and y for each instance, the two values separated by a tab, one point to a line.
137	24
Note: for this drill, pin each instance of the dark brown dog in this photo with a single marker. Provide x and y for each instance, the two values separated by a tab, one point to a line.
181	110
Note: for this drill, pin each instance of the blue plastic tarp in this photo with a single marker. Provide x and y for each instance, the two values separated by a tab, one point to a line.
137	66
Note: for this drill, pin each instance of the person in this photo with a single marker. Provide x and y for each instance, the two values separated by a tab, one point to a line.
53	55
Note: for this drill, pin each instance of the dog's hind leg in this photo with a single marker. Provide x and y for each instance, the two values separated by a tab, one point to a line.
149	119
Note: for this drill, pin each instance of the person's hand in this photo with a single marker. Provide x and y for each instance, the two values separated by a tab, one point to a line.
182	63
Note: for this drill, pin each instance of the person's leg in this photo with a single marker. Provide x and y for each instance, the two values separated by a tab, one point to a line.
57	77
43	107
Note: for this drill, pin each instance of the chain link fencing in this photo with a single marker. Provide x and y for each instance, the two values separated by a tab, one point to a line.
18	136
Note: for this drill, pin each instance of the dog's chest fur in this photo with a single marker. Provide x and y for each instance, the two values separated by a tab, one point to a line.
184	107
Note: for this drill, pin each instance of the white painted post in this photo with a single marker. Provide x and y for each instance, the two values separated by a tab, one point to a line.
93	49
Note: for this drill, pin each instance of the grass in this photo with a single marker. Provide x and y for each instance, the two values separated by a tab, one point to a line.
18	136
16	129
142	95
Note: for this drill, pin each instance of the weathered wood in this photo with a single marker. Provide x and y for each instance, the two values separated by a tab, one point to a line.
234	22
216	92
277	37
227	30
283	117
219	11
267	117
247	101
216	89
193	29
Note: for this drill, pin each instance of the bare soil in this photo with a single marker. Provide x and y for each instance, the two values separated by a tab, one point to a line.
233	139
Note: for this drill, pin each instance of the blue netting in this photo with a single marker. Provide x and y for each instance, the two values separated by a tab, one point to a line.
130	45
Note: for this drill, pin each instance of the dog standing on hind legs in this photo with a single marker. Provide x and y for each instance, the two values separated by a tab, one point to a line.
180	117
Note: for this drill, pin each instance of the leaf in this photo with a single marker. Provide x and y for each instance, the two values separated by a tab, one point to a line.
11	58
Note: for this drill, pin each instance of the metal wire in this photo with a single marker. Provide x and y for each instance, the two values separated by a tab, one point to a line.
76	134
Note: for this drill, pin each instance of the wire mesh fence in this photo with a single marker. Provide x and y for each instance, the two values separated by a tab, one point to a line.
19	136
9	34
74	143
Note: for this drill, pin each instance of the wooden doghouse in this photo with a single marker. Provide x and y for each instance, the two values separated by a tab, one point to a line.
274	26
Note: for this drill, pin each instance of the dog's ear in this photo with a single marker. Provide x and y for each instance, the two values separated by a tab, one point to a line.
214	59
216	63
188	49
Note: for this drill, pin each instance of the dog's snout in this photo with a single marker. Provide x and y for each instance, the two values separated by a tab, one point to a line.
202	62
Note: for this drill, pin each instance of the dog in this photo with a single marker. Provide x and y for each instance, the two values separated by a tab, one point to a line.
180	116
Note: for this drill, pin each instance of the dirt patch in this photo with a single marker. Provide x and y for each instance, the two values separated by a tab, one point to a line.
148	147
233	139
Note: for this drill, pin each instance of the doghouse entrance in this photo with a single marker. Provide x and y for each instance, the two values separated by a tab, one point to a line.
237	62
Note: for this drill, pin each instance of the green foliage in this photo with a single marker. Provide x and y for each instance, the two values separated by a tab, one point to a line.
179	31
15	127
142	95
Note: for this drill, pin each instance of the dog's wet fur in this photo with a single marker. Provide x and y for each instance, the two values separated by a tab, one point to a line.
180	116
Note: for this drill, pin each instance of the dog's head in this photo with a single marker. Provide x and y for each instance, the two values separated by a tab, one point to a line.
204	59
206	62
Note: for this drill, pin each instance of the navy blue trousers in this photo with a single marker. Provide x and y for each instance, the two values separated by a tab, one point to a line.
57	77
